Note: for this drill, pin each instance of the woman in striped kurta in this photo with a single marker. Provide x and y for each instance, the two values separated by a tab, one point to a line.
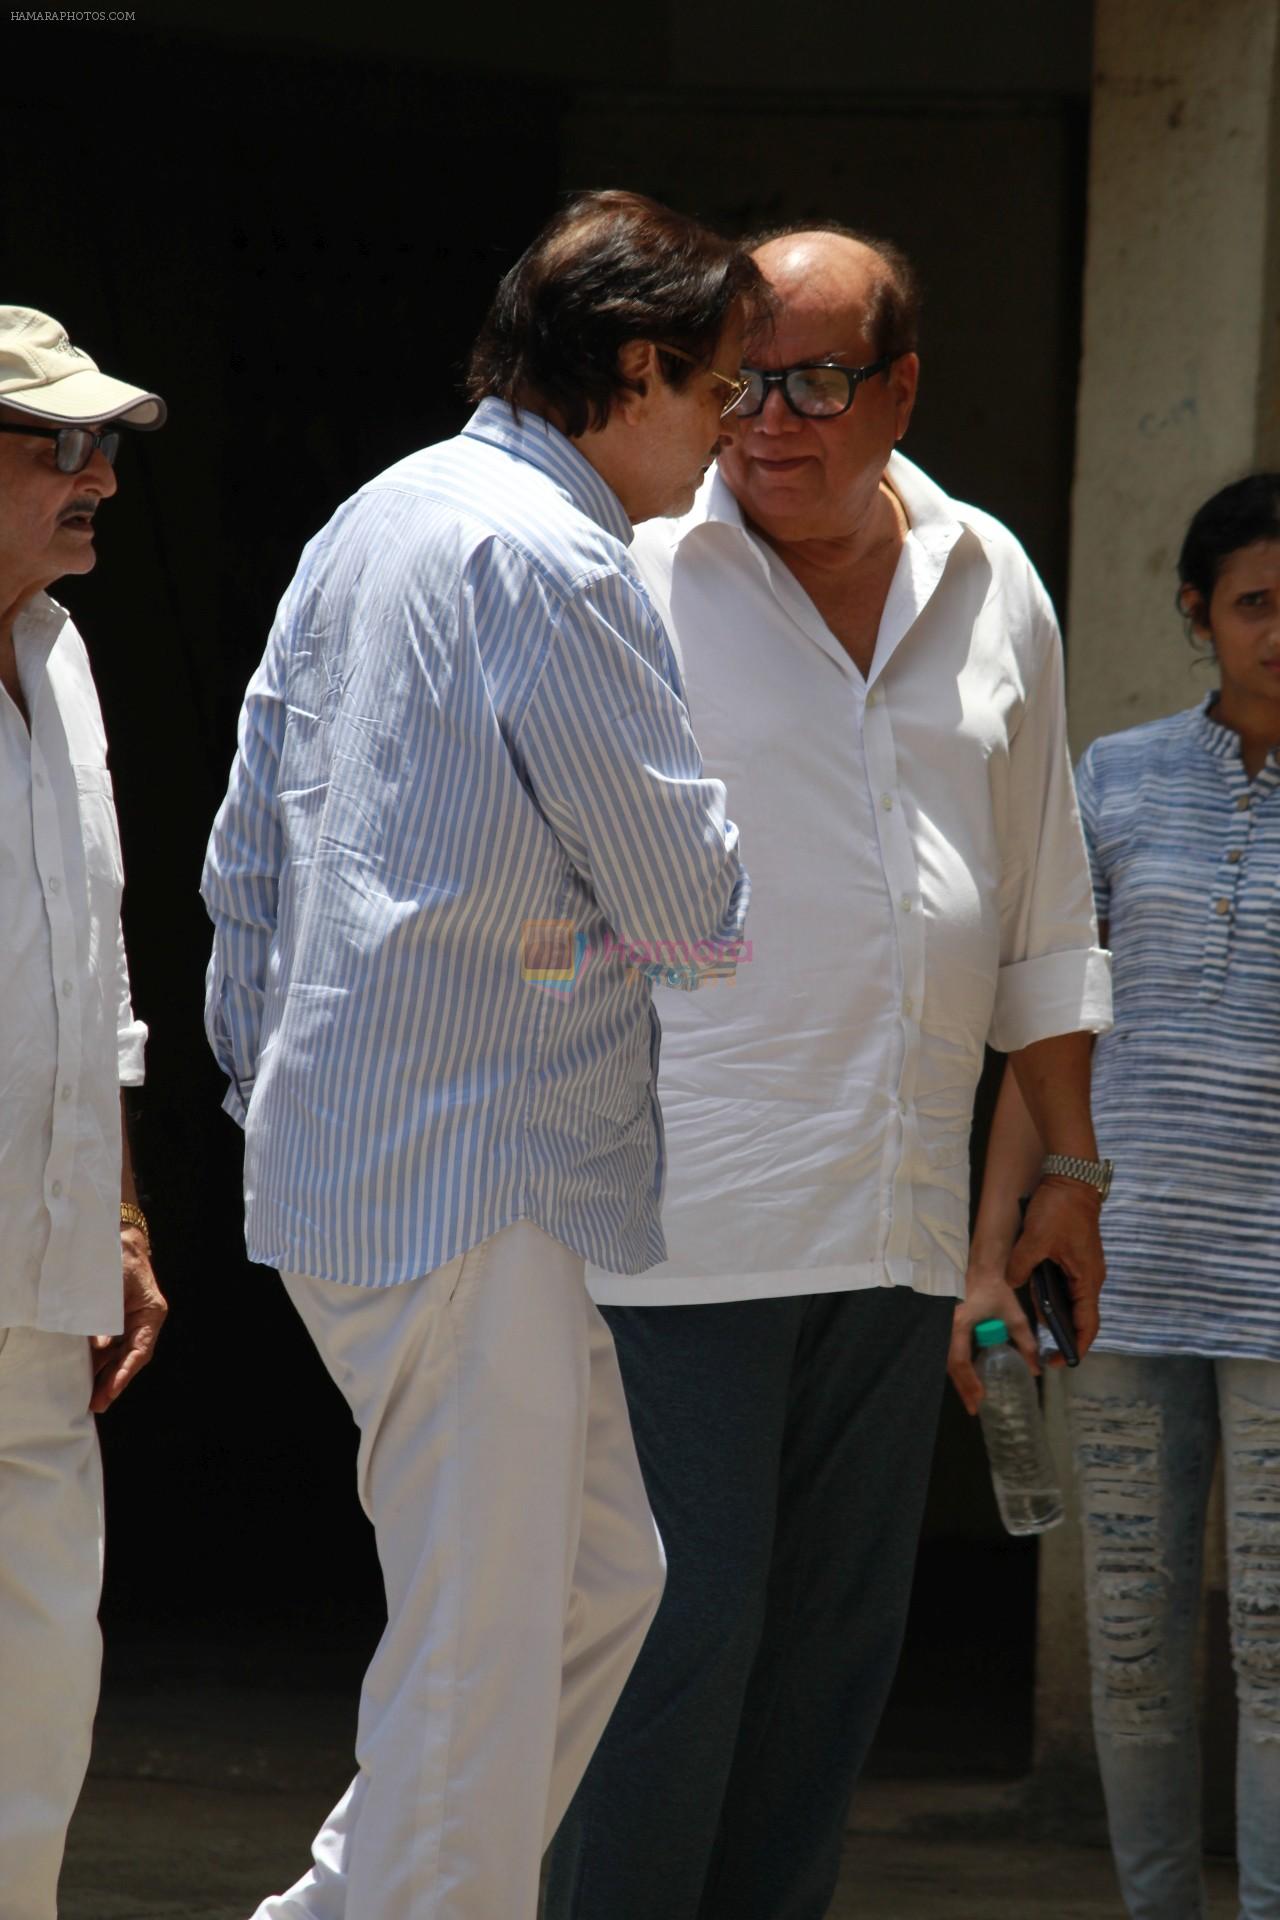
1182	820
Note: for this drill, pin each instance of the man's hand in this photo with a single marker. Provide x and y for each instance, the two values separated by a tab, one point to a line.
1045	1097
1062	1225
987	1296
118	1357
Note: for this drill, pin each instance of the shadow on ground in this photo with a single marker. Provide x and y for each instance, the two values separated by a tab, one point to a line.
214	1764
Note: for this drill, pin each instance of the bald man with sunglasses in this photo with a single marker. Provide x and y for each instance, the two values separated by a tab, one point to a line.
80	1309
874	670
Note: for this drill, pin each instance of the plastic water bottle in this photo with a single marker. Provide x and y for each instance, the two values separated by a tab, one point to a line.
1022	1471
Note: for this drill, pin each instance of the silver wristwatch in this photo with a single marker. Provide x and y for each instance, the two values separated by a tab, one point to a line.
1094	1173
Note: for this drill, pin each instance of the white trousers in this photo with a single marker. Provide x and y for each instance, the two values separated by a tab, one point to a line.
521	1564
50	1583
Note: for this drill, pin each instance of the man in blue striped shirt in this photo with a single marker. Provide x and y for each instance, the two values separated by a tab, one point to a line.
466	793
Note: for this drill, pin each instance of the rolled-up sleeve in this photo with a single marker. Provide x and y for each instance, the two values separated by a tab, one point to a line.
131	1033
240	886
1053	978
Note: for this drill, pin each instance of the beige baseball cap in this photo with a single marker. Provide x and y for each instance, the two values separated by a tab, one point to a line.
41	373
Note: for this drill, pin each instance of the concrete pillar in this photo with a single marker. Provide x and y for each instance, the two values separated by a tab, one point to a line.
1179	393
1180	382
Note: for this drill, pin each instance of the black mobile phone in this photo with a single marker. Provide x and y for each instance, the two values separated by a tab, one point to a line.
1051	1296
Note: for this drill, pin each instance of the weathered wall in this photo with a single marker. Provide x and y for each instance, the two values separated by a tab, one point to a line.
1178	386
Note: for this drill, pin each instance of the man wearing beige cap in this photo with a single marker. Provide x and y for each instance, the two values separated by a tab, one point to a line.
79	1306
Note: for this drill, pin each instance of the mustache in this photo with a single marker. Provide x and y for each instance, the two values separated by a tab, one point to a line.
87	504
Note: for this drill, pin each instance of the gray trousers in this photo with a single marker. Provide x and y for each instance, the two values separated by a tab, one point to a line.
785	1446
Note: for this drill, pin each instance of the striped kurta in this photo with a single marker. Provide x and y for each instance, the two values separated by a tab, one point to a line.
465	779
1185	851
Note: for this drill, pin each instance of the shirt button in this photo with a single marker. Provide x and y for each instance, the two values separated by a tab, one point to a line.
873	698
1242	803
39	779
908	1005
66	1093
905	903
55	885
886	801
1235	854
56	1189
1222	906
902	1107
66	989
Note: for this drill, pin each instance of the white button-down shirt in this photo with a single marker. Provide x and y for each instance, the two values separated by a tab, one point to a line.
68	1038
920	886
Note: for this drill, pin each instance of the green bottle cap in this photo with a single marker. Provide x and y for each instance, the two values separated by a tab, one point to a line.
990	1333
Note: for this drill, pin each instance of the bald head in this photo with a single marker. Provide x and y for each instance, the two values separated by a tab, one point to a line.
870	282
835	257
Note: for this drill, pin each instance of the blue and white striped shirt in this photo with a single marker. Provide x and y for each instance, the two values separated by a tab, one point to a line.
1185	851
468	719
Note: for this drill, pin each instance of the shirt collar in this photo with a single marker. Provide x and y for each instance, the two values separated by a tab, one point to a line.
714	503
533	439
936	519
36	629
937	523
1222	742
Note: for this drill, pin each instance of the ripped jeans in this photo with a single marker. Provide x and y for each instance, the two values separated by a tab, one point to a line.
1145	1432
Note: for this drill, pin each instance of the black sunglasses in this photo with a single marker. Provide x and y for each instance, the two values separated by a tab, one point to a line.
816	390
76	445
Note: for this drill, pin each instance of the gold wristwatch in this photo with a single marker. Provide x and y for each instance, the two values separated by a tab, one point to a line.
133	1216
